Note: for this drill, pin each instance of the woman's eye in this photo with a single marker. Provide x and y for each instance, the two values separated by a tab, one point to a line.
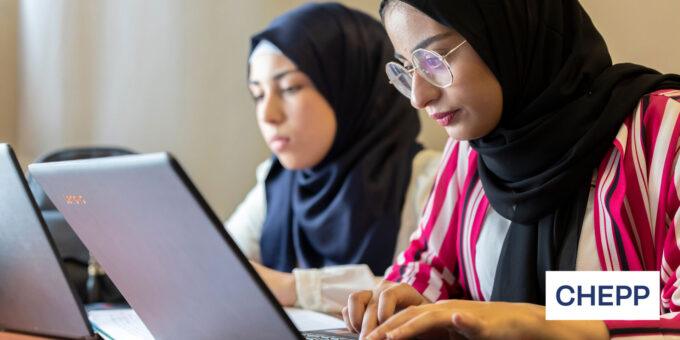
433	62
291	89
257	98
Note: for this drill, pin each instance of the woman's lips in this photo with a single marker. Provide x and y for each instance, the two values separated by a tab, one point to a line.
278	143
444	118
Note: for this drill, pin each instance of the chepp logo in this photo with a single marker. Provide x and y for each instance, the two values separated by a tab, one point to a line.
581	295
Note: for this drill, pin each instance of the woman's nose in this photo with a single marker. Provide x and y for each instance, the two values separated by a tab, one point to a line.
422	92
272	112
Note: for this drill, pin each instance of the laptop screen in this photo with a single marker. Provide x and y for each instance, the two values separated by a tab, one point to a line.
35	296
164	248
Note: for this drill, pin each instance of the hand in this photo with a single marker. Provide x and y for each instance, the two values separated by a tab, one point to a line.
366	309
465	319
281	284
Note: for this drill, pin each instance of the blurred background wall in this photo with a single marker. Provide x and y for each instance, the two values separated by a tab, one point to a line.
169	75
9	80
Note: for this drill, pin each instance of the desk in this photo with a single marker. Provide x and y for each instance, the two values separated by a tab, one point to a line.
16	336
304	320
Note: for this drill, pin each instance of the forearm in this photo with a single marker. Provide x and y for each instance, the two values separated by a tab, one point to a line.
568	329
576	329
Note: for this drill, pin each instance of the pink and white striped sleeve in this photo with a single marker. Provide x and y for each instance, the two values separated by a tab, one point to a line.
429	262
663	123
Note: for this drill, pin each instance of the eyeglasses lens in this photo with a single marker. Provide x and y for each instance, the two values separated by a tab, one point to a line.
431	67
399	78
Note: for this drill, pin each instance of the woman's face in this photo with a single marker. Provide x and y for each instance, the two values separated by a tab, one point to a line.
471	106
296	121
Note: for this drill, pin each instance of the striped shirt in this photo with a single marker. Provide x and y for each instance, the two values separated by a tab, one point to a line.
632	219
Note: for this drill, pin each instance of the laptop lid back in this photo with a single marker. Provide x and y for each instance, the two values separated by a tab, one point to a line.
35	296
166	251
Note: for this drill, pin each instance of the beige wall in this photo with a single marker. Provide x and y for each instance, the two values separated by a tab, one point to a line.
8	71
152	76
169	75
639	31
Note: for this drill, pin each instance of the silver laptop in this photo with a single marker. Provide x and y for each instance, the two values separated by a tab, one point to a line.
35	296
165	249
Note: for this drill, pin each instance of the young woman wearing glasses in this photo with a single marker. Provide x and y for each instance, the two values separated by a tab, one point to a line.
558	160
347	180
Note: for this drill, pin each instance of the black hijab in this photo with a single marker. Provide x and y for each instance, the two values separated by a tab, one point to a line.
563	103
347	209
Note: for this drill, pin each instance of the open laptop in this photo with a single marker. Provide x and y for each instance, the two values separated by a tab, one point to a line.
165	249
35	295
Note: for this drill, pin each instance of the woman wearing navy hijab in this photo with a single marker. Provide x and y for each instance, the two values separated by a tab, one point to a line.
347	178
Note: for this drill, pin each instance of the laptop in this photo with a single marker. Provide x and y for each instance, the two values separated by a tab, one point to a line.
35	296
165	249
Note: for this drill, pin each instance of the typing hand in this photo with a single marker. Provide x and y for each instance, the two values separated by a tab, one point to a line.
367	309
464	319
281	284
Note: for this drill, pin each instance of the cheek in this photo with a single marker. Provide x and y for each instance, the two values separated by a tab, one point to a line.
265	129
315	125
312	123
258	118
492	100
484	94
299	119
477	91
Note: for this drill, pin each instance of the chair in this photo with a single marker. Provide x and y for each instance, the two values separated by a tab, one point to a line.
90	281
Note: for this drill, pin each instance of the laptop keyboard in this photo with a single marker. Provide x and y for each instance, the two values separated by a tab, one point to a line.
330	334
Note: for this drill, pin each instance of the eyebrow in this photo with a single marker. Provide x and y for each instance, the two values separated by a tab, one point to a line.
275	77
426	42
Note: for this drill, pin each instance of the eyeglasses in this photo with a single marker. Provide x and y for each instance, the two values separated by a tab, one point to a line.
432	66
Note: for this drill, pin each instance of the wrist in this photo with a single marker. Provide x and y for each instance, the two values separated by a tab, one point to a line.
291	288
571	329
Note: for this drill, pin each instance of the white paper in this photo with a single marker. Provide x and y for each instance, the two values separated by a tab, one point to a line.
119	324
307	320
125	324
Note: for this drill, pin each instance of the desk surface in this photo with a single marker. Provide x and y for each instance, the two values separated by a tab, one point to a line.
304	320
16	336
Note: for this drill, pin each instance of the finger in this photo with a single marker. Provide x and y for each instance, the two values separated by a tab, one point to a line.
467	325
345	317
370	321
398	296
394	322
387	303
356	307
422	323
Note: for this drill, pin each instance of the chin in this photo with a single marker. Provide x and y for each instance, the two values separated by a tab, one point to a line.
461	134
457	134
291	162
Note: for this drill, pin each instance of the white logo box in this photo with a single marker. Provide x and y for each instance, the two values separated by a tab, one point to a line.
614	295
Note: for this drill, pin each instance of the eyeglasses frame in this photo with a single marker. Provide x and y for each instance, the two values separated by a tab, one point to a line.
442	58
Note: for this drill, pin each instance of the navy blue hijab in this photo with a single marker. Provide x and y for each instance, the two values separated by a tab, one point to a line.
347	208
